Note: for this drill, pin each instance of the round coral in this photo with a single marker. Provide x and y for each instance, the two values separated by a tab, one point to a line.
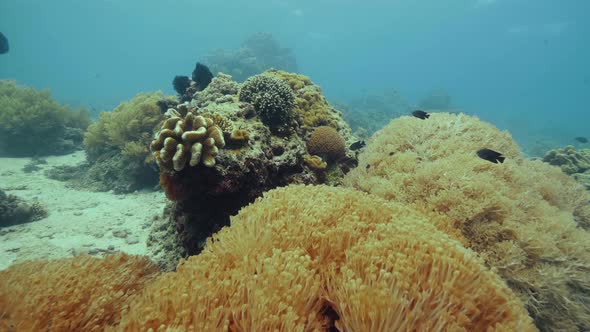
272	98
326	142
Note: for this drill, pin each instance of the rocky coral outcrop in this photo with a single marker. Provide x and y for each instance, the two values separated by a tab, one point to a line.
570	160
14	210
575	163
217	154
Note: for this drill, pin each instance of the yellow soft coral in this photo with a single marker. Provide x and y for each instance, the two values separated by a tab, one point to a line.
127	128
291	260
521	216
75	294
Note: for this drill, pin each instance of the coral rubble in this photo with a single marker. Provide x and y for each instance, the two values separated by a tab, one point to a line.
526	219
222	149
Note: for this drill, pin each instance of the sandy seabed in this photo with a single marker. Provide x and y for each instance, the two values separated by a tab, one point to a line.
79	221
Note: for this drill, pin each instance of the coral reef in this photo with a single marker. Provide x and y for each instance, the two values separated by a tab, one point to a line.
351	262
272	99
117	146
373	111
14	210
526	219
76	294
33	123
240	158
258	53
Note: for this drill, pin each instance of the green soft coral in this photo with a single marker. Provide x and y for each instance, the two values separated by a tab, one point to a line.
128	128
32	121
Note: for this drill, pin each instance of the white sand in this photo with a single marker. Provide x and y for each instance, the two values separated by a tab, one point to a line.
78	221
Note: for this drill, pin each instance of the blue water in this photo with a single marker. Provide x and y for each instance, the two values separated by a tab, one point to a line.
521	64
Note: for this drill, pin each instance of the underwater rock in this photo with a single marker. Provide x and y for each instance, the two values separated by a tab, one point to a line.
528	220
14	210
248	160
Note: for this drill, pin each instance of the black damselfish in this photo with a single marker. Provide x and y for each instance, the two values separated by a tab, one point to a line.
4	48
421	114
491	155
202	76
357	145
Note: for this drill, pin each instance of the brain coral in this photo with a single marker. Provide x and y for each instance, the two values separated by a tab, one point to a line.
272	98
293	262
76	294
326	142
523	217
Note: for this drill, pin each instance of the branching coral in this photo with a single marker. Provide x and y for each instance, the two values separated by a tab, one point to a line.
190	140
351	260
523	217
32	122
77	294
272	99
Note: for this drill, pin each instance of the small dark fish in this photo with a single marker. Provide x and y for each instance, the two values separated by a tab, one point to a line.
581	139
421	114
3	44
491	155
367	167
391	153
357	145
